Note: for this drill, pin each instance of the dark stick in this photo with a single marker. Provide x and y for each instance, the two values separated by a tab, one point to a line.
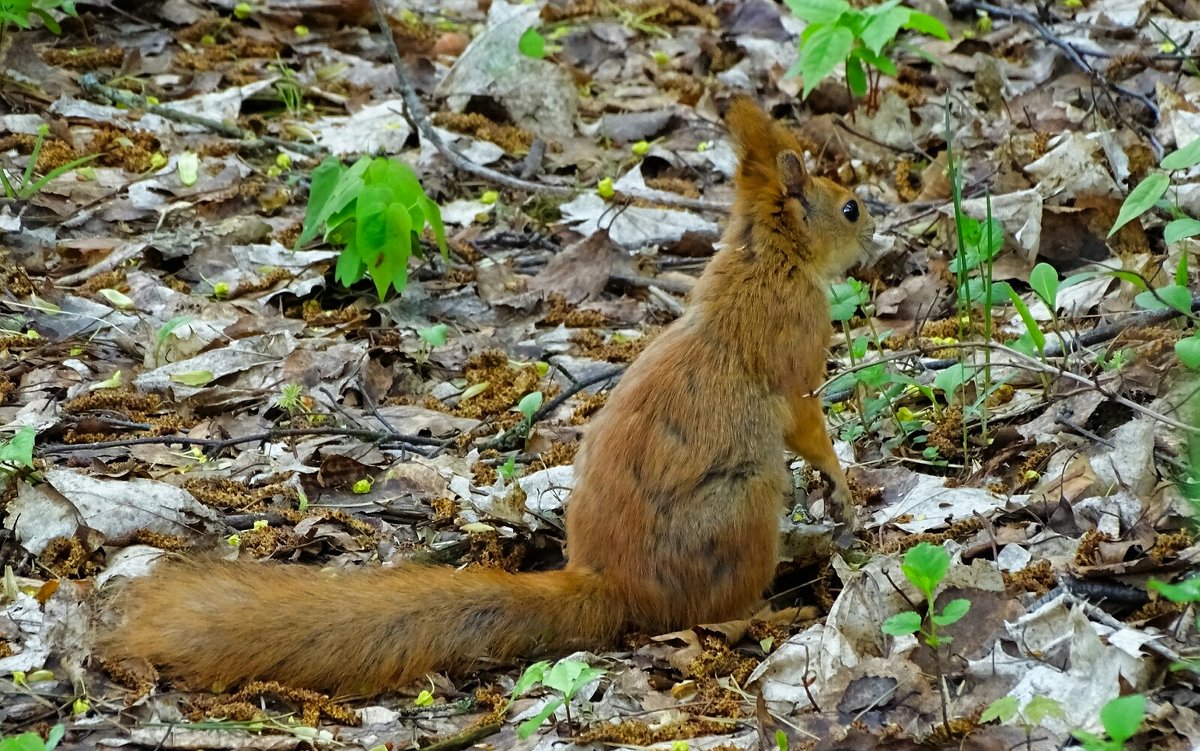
419	118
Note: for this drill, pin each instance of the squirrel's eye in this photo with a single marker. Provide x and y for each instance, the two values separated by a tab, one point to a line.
850	211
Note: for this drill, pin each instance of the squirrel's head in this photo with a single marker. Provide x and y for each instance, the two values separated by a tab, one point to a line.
824	225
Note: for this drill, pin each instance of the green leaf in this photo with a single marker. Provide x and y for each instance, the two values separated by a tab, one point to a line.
530	404
819	11
1141	199
390	266
1122	717
434	336
324	179
350	267
880	61
1044	280
927	24
1090	741
169	327
433	215
18	449
530	726
952	378
568	676
1129	277
533	674
474	390
881	28
1171	296
50	22
925	565
1041	707
844	300
875	376
1034	331
821	51
856	77
1188	156
188	166
54	736
532	44
1003	709
990	239
1185	591
116	298
23	742
901	624
192	377
1181	229
953	612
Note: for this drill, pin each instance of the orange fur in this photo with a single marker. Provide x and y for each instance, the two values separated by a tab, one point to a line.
675	517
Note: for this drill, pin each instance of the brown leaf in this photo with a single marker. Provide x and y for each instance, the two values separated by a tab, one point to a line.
580	272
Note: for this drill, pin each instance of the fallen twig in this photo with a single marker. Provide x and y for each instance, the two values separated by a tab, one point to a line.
90	82
385	439
1073	54
418	117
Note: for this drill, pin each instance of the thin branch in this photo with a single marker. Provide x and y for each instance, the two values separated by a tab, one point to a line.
90	82
574	389
1073	54
217	445
419	117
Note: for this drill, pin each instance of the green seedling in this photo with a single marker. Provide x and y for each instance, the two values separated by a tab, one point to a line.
375	208
17	452
528	407
859	38
431	337
566	677
1121	719
1006	709
508	470
290	398
288	89
874	388
925	566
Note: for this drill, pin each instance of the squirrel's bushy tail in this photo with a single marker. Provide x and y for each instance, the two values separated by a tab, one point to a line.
220	623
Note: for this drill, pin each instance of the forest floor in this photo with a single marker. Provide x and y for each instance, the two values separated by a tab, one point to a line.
177	375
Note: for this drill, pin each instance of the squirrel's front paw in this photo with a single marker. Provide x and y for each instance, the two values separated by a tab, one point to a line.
841	506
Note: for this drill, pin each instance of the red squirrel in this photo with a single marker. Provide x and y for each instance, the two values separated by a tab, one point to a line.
674	520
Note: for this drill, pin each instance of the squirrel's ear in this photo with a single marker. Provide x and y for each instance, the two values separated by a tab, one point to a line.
752	130
793	173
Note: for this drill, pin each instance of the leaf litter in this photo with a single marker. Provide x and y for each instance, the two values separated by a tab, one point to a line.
195	382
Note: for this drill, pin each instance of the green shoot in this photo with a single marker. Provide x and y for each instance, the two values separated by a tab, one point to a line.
859	38
566	677
375	208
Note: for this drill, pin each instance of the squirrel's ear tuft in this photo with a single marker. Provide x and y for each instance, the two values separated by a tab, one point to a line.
793	173
753	131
